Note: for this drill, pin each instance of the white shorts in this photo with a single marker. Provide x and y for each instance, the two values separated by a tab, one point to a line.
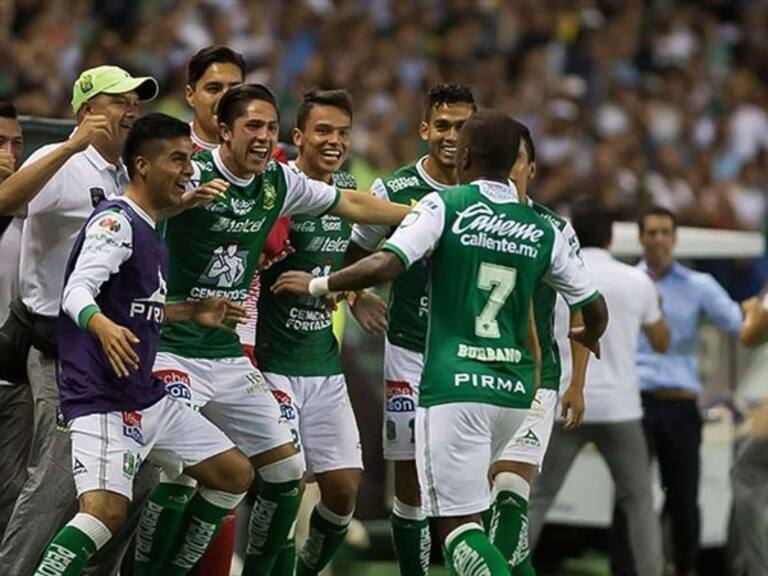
319	411
107	449
455	445
402	374
531	441
232	394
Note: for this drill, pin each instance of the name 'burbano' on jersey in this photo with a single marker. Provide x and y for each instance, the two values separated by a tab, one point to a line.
478	225
488	381
489	354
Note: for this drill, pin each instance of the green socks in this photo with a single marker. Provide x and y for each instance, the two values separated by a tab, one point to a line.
285	565
508	527
327	531
272	519
469	552
201	522
411	539
69	551
160	523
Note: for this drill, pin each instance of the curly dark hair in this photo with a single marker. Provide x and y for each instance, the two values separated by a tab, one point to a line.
443	94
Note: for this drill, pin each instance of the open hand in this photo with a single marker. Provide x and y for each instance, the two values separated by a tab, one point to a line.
294	282
370	311
117	343
218	313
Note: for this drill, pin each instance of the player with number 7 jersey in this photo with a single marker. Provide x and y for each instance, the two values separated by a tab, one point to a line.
487	253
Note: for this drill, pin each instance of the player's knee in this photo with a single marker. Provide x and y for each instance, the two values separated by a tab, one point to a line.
111	512
341	496
241	476
288	469
523	469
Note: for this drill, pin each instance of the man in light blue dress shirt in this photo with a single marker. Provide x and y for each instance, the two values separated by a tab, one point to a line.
670	383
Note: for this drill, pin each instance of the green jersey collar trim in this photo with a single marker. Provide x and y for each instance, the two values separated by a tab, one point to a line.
431	182
397	252
588	300
219	163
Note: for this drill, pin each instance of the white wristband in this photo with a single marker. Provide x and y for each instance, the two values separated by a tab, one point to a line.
318	286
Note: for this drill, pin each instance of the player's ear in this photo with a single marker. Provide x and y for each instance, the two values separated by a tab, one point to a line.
189	95
532	171
424	130
225	133
141	164
297	136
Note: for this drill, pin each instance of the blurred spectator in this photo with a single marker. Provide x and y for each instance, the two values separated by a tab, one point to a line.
634	103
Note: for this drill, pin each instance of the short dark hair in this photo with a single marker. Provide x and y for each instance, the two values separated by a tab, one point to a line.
8	110
493	139
444	94
234	102
340	99
201	61
528	139
148	130
593	223
656	211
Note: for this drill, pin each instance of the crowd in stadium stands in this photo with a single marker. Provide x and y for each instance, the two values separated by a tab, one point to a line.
631	102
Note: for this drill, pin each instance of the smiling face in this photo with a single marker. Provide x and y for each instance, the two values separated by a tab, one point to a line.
204	96
252	138
324	142
441	132
121	111
167	169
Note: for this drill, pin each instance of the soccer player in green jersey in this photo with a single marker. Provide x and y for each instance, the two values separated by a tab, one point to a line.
296	348
214	250
487	253
512	474
446	108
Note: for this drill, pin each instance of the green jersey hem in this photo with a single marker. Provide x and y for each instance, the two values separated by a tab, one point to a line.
579	305
86	314
524	404
397	252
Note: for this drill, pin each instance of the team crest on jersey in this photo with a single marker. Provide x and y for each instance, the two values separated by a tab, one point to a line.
132	426
241	206
399	396
177	383
287	409
270	196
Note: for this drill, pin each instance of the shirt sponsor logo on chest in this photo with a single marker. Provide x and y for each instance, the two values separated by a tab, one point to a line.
152	308
478	225
320	244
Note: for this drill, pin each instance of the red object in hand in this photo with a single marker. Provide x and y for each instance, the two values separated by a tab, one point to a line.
218	559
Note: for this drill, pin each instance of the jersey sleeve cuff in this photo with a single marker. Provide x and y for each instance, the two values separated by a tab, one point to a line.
86	314
333	205
588	300
397	252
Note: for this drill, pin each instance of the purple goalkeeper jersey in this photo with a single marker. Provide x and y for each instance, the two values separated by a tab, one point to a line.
132	297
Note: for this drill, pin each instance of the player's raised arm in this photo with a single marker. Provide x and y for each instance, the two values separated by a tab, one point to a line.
365	208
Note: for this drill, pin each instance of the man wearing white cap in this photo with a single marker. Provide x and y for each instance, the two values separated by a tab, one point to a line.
54	192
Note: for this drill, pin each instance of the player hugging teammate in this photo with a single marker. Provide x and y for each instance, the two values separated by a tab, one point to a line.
462	354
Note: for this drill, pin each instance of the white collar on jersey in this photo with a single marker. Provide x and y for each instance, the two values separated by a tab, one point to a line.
199	142
242	182
497	192
138	209
434	184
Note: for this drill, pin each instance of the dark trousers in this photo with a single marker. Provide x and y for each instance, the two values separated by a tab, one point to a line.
673	434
